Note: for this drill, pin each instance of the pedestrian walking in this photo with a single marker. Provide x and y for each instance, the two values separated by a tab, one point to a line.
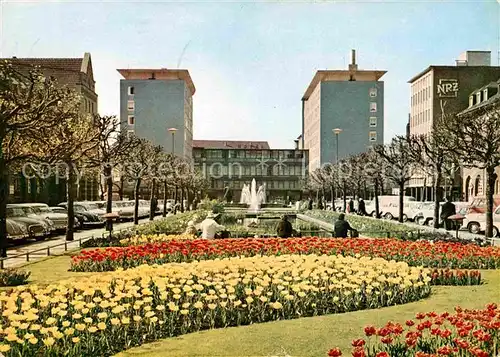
447	211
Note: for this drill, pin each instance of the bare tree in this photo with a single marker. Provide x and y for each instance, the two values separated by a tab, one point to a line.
71	144
432	153
155	163
398	165
29	102
373	168
136	170
474	136
113	150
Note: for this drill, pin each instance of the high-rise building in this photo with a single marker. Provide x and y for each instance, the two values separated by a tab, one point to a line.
152	101
445	90
349	100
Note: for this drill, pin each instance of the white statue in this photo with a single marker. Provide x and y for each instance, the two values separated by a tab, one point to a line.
245	194
261	193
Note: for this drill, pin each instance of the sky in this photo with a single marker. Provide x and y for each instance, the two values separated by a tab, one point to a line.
252	61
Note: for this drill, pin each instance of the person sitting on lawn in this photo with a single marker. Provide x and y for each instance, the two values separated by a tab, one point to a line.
210	226
341	227
285	229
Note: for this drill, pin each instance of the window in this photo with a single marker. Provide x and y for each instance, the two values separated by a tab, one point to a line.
373	107
373	136
11	189
131	105
130	90
485	94
373	92
478	97
471	101
373	122
131	120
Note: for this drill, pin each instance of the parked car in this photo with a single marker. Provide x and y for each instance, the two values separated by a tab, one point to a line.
476	222
36	228
60	219
16	230
31	213
85	217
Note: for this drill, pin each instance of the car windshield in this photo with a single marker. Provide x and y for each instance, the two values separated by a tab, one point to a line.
15	212
29	210
41	210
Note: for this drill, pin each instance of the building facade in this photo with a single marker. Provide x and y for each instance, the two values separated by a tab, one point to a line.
152	101
350	100
474	179
77	74
229	167
445	90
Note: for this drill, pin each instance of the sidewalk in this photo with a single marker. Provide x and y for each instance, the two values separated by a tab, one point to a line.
62	249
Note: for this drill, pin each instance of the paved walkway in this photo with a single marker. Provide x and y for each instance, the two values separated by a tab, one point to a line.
45	249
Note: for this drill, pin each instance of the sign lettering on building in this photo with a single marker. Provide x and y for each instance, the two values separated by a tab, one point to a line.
447	88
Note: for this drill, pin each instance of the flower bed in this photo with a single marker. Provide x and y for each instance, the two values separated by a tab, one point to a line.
465	333
105	313
455	277
438	255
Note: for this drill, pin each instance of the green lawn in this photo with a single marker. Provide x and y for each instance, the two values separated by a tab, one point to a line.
302	337
316	335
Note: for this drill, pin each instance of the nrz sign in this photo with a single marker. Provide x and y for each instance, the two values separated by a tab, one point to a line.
447	88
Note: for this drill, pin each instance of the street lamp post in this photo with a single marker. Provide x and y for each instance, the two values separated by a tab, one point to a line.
337	131
171	131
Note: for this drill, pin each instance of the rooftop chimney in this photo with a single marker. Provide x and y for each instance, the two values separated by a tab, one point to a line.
296	144
353	67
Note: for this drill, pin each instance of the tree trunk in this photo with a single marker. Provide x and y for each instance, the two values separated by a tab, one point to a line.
136	199
109	189
4	195
377	206
491	177
71	185
120	190
188	200
182	200
401	201
152	206
176	198
164	214
332	197
344	196
437	181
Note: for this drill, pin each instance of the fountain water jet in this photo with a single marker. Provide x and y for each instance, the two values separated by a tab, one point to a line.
254	199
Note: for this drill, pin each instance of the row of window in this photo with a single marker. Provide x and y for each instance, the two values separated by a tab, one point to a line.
258	170
421	96
220	184
250	154
422	117
89	106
